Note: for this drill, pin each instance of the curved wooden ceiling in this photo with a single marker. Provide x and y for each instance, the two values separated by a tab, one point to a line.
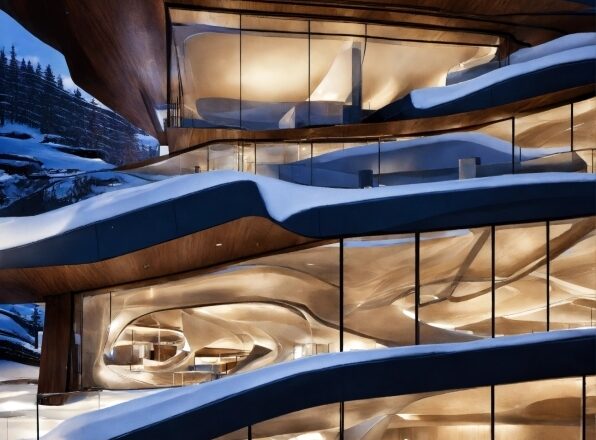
116	50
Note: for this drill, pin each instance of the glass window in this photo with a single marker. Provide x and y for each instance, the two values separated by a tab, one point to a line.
573	273
224	157
95	324
410	33
338	164
248	159
541	139
286	161
337	27
547	409
318	423
455	285
209	93
274	76
272	72
215	323
452	415
520	279
584	129
379	291
168	167
298	165
391	69
194	161
335	79
590	407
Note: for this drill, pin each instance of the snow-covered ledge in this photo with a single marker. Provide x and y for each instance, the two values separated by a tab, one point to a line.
282	199
219	407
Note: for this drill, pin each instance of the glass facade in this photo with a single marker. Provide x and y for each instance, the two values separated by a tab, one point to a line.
455	285
520	279
245	316
351	294
546	409
572	277
268	72
379	286
532	143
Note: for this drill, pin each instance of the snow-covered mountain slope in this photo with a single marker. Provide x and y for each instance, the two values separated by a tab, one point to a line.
19	326
47	156
47	175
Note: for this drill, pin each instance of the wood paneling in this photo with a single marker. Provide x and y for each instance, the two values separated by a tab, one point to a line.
239	239
116	50
55	350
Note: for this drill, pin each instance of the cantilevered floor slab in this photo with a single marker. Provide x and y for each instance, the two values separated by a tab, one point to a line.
220	407
115	224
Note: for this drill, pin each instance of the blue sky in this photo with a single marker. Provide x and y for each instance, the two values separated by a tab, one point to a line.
28	46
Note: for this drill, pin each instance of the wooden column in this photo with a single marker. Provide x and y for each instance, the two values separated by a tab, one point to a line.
55	349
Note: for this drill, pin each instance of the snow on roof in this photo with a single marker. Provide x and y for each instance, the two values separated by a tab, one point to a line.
282	199
551	47
557	52
120	419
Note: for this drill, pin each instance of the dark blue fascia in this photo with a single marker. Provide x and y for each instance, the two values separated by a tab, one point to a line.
421	212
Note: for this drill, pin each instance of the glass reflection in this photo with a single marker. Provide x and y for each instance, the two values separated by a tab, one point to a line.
318	423
273	72
590	415
455	285
548	409
572	278
520	279
285	306
379	291
201	327
452	415
584	129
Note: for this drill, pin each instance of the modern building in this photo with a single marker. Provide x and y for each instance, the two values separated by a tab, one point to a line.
376	220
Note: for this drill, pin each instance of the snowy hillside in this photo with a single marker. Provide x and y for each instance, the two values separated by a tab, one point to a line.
38	173
19	327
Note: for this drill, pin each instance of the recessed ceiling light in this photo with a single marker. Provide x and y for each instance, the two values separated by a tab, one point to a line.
310	264
218	244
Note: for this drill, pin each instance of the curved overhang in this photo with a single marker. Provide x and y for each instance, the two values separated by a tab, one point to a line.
177	224
223	406
111	225
517	88
100	38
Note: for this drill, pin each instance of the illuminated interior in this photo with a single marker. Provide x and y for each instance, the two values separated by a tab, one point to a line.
272	72
547	409
277	308
559	139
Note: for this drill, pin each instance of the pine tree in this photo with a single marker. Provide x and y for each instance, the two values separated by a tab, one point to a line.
13	84
36	321
47	101
29	80
3	86
21	110
93	128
